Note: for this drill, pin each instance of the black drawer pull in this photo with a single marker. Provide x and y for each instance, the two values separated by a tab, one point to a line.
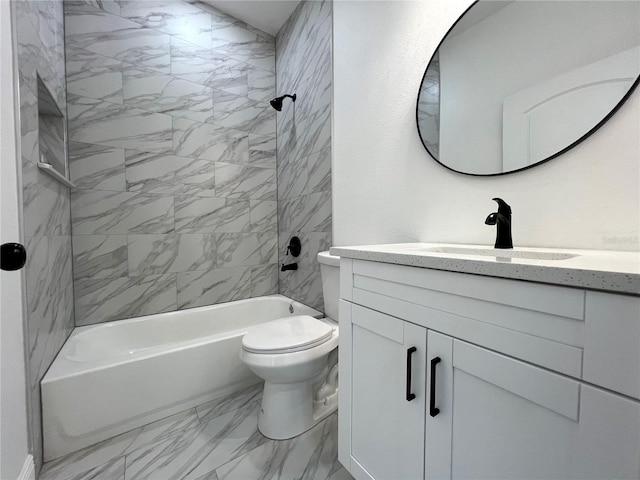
433	410
410	396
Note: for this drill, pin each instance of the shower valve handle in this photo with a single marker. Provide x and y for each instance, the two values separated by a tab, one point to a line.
295	246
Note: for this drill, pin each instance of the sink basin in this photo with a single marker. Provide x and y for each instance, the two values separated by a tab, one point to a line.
507	253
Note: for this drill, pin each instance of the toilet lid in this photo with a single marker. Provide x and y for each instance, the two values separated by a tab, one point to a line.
289	334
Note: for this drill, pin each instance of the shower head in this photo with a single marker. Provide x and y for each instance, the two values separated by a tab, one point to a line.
277	102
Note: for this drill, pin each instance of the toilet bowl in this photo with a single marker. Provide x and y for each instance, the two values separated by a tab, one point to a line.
297	358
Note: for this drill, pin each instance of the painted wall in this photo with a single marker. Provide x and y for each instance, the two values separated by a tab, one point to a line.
303	67
46	215
172	146
387	189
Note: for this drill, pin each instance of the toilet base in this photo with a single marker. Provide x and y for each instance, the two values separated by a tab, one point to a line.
289	409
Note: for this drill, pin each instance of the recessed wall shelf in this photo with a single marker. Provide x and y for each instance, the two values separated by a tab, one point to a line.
52	172
51	137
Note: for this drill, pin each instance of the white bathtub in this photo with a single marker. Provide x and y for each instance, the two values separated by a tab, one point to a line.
113	377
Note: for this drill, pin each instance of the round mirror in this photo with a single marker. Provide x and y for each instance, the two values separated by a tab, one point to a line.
516	83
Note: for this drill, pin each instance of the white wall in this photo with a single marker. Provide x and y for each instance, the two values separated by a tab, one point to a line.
388	189
13	408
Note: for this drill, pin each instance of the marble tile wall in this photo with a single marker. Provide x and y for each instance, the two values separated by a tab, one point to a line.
303	66
172	146
39	30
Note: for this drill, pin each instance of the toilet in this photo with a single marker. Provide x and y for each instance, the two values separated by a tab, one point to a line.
298	359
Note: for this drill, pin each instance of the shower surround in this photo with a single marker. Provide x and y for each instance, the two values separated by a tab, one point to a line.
172	146
303	47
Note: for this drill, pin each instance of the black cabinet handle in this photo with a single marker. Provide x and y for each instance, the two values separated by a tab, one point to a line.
433	411
410	396
12	257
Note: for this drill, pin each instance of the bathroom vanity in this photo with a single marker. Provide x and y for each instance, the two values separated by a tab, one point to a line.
468	362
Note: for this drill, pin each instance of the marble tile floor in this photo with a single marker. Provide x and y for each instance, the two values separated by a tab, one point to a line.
218	440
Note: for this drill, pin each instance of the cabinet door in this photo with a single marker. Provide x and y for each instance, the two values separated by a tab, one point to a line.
609	438
387	414
508	419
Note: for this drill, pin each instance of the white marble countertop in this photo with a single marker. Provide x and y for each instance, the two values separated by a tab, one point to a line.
591	269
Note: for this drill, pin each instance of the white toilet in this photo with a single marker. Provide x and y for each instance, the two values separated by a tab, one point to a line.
298	359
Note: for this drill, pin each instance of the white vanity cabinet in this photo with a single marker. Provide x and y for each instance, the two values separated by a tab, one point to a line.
506	380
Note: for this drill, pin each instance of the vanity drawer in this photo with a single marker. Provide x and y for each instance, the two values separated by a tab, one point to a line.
537	323
612	342
558	301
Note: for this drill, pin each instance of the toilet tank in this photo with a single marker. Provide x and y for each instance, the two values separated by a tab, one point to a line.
330	271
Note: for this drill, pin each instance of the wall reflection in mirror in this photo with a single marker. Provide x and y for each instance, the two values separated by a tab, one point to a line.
516	83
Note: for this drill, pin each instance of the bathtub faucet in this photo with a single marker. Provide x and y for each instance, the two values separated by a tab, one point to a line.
291	266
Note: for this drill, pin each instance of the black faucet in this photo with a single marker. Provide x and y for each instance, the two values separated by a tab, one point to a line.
501	218
291	266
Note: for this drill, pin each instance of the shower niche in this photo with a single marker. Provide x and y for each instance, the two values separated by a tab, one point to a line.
51	136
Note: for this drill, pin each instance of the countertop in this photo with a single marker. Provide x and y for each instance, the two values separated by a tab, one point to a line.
611	271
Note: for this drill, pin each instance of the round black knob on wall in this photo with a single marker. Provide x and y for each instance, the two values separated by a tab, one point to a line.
295	246
13	256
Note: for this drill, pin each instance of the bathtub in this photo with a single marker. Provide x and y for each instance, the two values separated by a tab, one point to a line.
113	377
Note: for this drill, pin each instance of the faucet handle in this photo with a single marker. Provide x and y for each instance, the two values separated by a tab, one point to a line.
503	207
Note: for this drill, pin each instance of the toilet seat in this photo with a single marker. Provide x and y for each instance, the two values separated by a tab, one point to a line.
287	335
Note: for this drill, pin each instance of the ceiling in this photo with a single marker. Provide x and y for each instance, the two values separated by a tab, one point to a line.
267	15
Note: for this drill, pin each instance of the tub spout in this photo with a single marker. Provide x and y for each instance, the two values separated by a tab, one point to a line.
291	266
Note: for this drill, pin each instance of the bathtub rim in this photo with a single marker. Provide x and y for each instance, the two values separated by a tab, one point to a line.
63	368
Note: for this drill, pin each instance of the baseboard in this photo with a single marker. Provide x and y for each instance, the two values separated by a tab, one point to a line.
28	471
